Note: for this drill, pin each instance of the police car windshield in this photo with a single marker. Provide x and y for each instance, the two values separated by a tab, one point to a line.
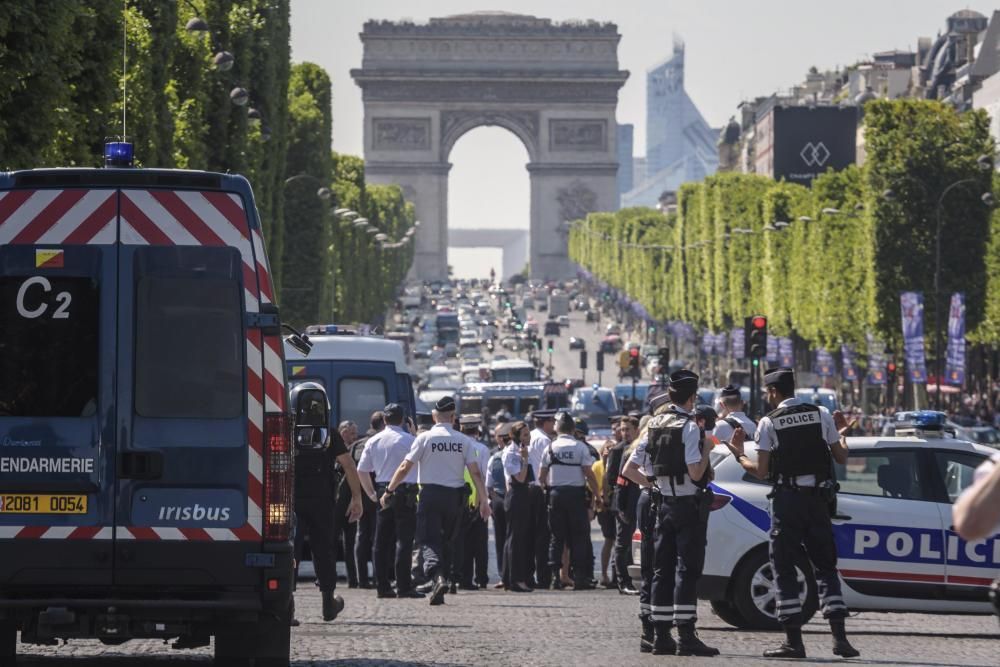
48	346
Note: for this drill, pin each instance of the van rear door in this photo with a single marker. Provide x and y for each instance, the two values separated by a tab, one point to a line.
58	276
190	392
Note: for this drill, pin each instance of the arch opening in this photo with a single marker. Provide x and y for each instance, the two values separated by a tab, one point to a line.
489	207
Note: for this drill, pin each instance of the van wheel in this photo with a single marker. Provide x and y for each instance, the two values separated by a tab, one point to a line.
8	641
266	643
756	592
728	613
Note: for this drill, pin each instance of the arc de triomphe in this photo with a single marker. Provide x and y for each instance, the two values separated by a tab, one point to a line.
555	86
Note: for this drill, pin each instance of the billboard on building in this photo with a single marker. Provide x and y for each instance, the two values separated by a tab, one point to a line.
799	143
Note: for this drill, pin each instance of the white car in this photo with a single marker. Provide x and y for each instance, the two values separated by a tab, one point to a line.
896	548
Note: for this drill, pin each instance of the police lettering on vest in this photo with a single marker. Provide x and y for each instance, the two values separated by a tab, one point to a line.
800	448
565	459
441	455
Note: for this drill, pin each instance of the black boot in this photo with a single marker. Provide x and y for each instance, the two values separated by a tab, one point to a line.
689	643
792	648
332	605
584	584
663	643
841	646
646	641
438	591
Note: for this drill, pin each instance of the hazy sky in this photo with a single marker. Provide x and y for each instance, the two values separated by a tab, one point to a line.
736	49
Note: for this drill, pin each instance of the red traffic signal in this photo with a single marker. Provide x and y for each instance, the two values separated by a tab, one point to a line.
755	336
891	367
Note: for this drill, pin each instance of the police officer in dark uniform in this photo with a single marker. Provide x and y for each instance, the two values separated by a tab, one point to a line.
796	445
519	546
441	456
679	454
396	524
566	472
318	448
626	496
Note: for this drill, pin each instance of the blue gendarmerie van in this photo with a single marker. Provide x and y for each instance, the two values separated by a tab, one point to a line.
145	462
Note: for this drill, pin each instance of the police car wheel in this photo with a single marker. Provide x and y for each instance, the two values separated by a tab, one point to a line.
728	613
8	640
756	594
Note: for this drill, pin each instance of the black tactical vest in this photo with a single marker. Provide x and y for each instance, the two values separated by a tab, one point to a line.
665	447
315	475
799	447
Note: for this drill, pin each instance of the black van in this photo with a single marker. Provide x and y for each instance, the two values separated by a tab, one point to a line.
145	462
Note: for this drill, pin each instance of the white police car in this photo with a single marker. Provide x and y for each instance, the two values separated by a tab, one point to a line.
897	550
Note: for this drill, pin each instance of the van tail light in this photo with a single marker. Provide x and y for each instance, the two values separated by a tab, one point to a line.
719	501
278	480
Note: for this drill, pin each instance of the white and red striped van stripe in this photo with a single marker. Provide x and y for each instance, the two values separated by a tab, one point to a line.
58	217
56	532
167	217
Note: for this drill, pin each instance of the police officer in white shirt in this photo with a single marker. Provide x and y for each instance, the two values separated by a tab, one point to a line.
732	415
395	525
639	469
566	471
441	456
796	445
541	438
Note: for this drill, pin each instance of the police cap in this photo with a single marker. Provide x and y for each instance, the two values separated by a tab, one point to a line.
658	399
582	428
729	391
540	416
393	411
445	404
707	413
684	384
470	420
774	376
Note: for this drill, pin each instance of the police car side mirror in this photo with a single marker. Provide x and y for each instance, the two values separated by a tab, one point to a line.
297	340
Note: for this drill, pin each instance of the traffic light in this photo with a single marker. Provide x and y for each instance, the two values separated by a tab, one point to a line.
755	335
663	359
583	360
552	345
538	344
890	371
633	361
600	360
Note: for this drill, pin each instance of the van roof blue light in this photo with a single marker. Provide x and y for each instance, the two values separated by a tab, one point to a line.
118	154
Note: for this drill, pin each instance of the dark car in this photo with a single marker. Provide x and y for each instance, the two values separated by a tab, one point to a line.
552	328
576	343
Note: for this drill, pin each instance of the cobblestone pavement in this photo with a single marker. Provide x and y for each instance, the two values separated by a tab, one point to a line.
544	628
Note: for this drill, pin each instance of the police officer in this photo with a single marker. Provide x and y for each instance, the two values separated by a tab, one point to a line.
518	548
475	539
317	450
441	455
362	535
795	444
394	525
638	470
732	405
566	472
679	454
496	484
541	438
626	497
